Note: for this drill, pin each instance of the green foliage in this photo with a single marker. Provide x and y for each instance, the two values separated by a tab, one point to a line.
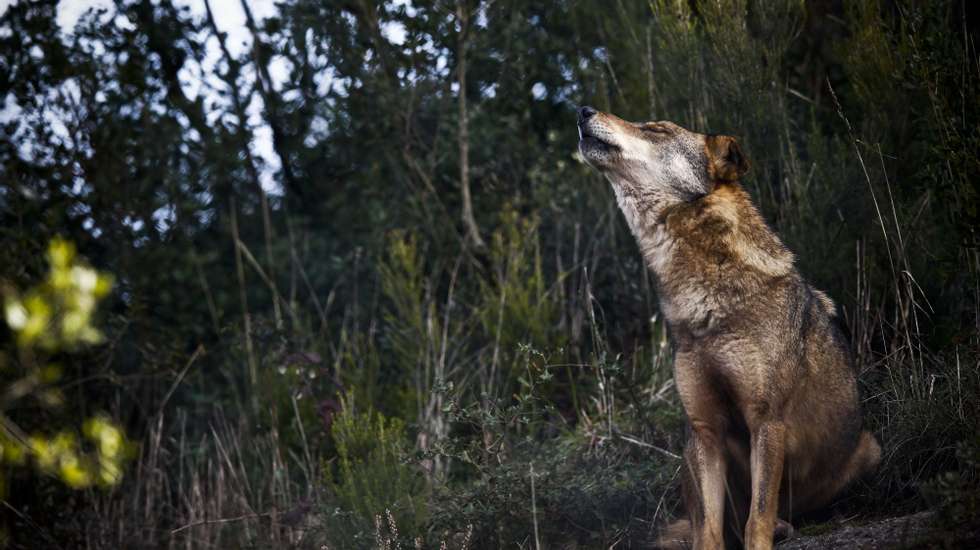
592	484
53	317
371	477
517	307
57	314
415	329
583	494
260	279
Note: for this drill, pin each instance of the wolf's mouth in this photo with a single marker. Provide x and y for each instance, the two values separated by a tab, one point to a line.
587	137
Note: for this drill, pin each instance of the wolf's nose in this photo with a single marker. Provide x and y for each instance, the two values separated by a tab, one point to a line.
585	113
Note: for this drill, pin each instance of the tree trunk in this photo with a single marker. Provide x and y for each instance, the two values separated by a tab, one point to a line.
469	222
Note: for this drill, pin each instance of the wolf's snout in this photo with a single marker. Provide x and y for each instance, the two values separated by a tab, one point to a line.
585	113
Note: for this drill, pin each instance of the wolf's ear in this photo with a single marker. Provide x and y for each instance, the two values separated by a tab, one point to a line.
726	161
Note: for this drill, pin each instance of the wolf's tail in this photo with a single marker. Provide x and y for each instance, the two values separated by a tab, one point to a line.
676	536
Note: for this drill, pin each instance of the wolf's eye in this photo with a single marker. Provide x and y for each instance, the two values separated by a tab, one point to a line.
656	129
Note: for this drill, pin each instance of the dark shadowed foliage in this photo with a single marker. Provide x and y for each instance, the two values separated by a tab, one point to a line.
367	294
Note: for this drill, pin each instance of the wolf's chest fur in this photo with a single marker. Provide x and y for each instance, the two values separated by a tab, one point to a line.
711	257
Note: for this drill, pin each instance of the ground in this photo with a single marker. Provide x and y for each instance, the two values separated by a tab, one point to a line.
911	531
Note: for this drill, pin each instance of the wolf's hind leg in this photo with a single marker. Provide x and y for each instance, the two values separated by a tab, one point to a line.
869	455
864	460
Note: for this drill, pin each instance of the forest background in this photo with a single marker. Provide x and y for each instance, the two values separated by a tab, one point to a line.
339	279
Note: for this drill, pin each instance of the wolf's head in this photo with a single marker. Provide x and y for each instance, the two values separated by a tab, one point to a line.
657	161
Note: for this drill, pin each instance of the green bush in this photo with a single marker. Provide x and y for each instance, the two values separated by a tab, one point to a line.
370	478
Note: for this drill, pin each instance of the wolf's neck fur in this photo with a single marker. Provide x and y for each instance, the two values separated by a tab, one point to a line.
643	211
704	252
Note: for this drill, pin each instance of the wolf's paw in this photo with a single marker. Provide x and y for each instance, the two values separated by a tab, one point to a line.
784	530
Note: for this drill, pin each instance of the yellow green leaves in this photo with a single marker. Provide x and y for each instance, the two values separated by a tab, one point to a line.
64	455
371	472
56	316
58	313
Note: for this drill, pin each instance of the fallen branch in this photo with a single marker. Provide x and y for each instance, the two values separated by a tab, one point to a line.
633	440
219	520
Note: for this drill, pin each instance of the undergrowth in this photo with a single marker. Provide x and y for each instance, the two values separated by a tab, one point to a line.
520	394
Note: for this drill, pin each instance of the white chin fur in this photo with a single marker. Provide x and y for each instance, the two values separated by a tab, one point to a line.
596	153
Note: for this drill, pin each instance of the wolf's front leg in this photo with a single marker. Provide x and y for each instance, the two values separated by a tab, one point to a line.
768	442
705	460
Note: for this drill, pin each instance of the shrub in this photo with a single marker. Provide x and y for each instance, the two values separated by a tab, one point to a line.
370	477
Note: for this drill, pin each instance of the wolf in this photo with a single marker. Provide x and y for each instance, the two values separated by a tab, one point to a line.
761	364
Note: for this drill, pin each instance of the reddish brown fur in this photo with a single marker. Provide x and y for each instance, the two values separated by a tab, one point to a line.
761	367
718	238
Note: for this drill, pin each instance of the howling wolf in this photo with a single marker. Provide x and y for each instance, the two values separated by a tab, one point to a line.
761	366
